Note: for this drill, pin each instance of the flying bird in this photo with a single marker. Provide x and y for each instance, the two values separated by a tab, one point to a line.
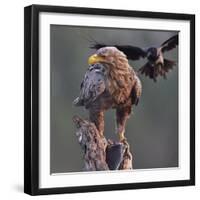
108	83
156	63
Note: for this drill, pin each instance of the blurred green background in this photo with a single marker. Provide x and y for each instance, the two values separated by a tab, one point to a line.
152	130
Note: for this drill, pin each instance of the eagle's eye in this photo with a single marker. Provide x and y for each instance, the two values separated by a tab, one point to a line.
102	54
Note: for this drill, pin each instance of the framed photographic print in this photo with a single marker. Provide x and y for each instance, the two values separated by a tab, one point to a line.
109	99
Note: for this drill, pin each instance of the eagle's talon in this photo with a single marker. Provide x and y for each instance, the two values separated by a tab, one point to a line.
122	138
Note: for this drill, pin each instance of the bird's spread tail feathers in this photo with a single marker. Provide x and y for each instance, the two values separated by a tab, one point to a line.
153	71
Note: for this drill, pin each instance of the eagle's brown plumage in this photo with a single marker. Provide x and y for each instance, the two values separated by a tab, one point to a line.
109	83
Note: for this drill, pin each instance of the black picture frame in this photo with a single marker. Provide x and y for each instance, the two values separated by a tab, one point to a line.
31	98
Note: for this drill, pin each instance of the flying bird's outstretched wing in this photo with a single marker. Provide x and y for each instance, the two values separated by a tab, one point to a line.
170	43
131	52
135	53
92	86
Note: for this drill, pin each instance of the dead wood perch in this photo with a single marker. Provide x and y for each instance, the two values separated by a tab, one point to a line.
100	154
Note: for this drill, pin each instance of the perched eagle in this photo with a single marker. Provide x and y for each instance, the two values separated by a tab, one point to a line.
156	64
109	83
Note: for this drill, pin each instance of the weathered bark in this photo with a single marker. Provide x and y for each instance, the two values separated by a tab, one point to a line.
100	154
93	145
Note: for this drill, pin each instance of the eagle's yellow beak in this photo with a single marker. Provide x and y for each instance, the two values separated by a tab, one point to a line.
95	59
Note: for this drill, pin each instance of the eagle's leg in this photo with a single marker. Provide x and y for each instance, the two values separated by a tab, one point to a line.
122	114
97	117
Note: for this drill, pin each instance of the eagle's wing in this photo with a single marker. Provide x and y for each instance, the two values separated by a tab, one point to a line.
132	52
170	43
136	91
92	86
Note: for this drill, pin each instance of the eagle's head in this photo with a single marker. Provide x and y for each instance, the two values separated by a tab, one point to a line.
108	55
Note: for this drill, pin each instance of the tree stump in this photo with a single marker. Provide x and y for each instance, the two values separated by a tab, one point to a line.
99	153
